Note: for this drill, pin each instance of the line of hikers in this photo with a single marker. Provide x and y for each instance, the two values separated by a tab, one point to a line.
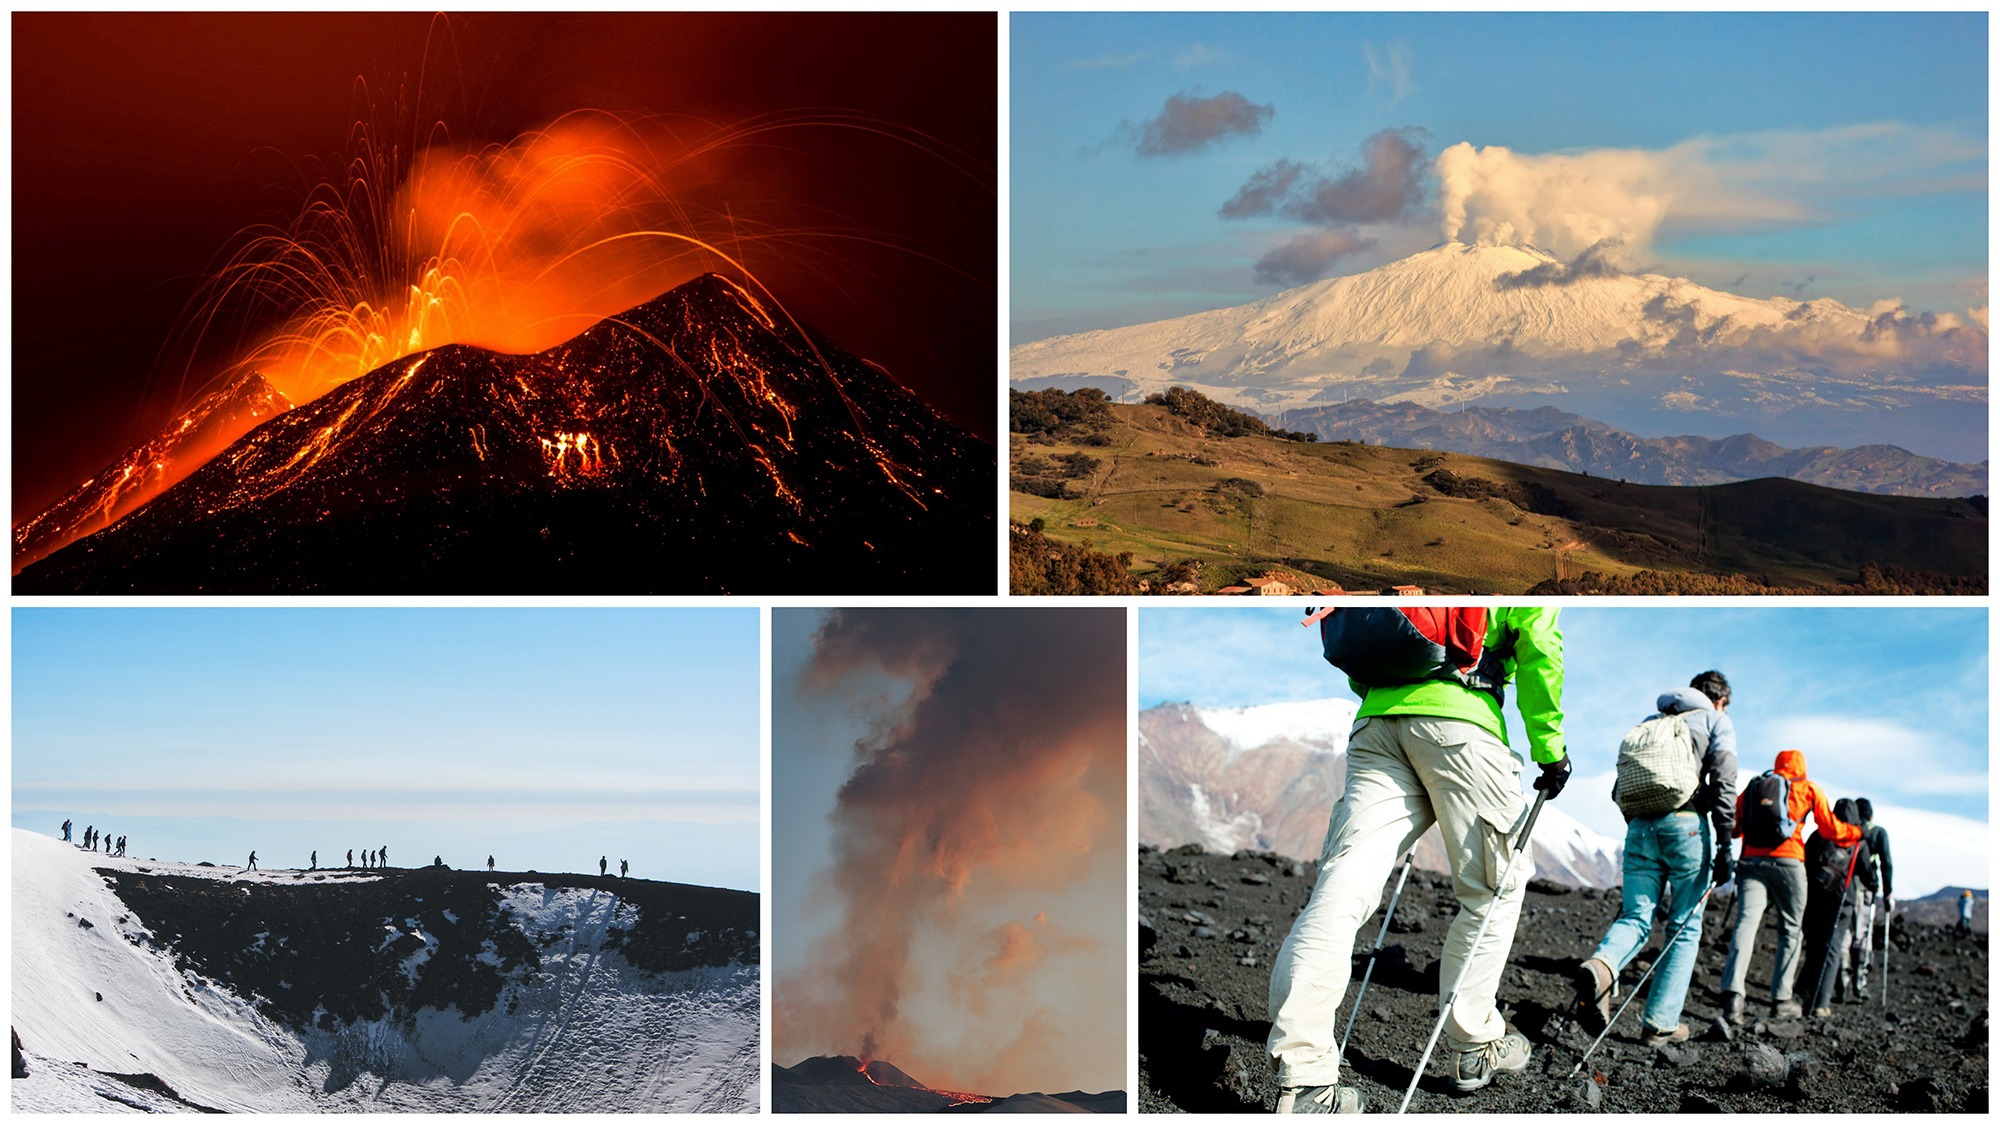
370	858
1429	747
94	840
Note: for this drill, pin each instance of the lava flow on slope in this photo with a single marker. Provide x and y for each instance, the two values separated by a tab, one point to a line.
211	424
699	443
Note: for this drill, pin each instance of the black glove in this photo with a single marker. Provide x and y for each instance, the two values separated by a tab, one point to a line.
1555	775
1725	867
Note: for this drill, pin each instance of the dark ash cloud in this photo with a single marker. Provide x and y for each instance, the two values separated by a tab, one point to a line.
1596	260
1189	123
1386	187
1002	776
1308	256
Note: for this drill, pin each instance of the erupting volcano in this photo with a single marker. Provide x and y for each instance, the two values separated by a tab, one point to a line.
953	911
699	442
507	303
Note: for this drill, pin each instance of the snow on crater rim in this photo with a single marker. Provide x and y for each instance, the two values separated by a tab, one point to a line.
1322	721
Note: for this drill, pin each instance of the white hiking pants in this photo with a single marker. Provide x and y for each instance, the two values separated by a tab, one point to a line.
1404	773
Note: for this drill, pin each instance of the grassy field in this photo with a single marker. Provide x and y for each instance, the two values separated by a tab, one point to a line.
1366	516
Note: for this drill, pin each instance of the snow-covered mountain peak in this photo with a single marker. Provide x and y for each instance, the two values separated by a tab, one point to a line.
1320	723
1516	324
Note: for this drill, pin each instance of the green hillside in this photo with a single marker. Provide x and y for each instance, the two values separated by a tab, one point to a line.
1144	480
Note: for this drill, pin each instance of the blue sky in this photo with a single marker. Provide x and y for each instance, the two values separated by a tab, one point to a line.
1886	703
1837	155
545	737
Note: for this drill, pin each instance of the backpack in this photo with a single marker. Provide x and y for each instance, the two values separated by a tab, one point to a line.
1384	646
1832	864
1767	810
1658	769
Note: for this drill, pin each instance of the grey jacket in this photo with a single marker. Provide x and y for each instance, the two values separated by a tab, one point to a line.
1715	740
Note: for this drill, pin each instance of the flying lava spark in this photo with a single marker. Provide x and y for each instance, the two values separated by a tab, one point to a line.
440	222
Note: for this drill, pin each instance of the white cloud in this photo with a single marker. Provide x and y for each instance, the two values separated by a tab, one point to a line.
1566	202
1389	68
1200	55
1888	757
1932	850
1107	62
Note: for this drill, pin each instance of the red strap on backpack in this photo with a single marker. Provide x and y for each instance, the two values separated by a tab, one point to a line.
1460	629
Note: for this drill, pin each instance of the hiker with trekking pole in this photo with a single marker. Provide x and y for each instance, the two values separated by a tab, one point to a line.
1428	747
1884	869
1676	782
1771	821
1834	873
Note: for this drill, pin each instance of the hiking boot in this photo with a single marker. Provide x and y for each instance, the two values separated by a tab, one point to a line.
1595	983
1822	1012
1319	1099
1787	1009
1732	1007
1657	1038
1473	1067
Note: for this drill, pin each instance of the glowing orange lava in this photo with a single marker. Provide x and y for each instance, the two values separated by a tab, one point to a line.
514	247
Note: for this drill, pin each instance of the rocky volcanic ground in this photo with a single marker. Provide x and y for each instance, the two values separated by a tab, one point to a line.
1210	925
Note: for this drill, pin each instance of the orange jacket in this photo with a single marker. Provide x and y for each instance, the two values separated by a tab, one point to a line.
1806	797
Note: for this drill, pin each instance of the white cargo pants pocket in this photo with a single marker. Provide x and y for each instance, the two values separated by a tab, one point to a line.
1496	832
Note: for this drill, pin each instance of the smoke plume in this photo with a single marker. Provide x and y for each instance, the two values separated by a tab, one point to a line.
1565	202
1599	259
981	811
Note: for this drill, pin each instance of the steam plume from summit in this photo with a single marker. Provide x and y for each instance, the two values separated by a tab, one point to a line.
979	919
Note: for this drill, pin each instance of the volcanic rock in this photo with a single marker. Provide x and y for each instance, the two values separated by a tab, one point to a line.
699	443
1764	1066
1183	1003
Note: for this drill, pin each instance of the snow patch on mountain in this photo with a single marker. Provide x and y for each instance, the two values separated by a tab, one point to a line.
1320	723
96	997
1274	789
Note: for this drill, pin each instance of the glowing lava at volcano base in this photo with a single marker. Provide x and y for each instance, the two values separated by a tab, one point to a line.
868	1069
696	443
208	426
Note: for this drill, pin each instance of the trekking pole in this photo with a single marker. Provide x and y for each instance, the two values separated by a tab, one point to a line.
1887	917
1472	952
1370	971
1693	913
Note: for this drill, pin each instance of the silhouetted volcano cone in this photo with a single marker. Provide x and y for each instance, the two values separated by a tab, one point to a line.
697	443
844	1070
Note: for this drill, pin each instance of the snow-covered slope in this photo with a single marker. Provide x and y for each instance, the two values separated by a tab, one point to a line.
1266	778
1319	723
1459	322
196	1010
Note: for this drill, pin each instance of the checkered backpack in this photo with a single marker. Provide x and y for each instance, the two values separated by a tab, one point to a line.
1658	769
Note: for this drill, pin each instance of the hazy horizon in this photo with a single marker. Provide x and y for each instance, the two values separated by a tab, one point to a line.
543	737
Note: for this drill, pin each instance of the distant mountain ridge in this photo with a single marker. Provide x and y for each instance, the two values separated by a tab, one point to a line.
1514	325
1266	778
1557	439
845	1084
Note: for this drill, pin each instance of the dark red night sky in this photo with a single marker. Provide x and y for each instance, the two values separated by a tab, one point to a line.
142	143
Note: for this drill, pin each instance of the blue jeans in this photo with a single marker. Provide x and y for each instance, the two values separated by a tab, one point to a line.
1665	855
